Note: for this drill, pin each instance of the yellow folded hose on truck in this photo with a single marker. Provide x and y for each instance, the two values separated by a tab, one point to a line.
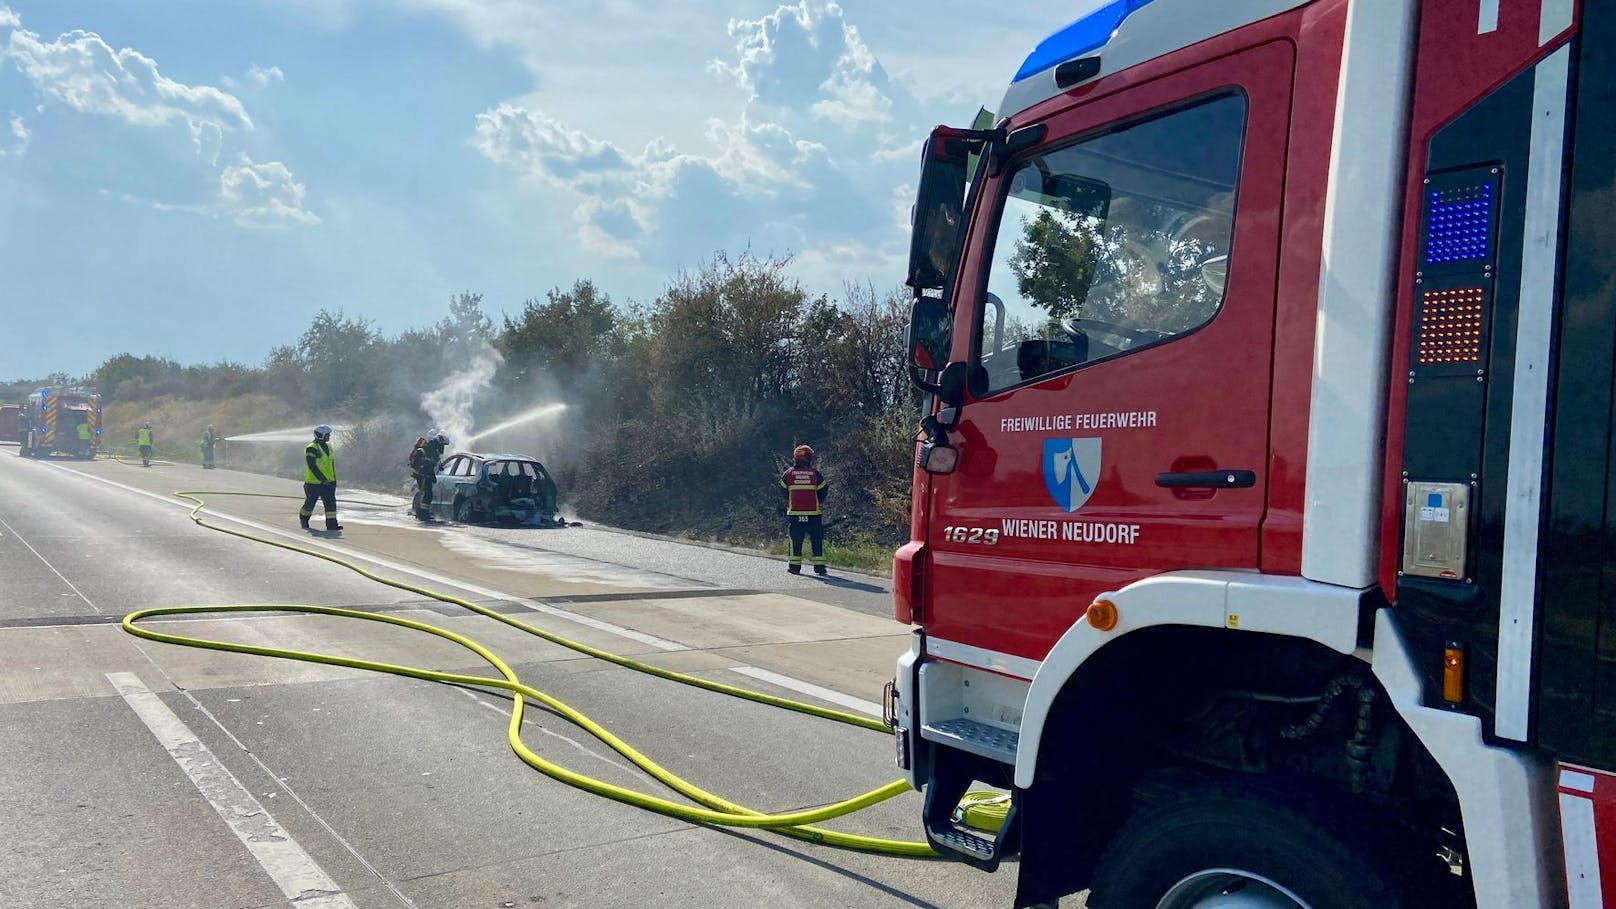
717	810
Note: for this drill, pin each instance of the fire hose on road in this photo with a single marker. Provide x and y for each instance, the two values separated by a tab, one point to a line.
715	809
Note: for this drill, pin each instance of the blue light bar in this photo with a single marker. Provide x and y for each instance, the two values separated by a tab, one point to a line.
1458	224
1086	34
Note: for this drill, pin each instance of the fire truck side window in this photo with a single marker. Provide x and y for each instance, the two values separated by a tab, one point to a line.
1112	244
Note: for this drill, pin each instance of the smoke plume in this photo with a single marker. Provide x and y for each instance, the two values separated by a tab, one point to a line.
450	405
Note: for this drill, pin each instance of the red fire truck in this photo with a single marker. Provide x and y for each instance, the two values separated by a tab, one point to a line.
61	421
1264	522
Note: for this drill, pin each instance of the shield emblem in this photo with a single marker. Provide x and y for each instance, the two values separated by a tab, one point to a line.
1071	469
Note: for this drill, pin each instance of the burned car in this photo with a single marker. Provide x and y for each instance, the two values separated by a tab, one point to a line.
495	488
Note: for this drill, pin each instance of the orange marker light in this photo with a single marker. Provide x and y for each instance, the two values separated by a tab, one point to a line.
1453	660
1102	615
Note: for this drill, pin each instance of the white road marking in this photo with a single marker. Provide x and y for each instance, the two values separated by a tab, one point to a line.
824	694
783	681
50	566
298	876
504	710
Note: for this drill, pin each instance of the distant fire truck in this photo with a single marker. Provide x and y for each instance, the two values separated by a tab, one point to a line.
1263	539
61	421
11	420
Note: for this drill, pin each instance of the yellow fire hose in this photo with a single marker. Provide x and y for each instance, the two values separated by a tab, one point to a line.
717	811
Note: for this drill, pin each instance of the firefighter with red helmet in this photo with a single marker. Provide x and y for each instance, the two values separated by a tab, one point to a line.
804	488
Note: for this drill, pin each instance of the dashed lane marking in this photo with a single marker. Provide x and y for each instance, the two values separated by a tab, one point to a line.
304	883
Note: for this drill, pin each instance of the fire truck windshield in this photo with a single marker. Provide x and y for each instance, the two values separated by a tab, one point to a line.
1112	243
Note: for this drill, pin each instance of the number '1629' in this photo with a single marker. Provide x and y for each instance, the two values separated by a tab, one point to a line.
980	535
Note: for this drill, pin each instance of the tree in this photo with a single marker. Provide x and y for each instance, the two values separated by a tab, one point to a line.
128	377
723	334
338	354
466	323
565	336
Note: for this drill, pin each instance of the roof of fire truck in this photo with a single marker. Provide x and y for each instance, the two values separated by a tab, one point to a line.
1123	33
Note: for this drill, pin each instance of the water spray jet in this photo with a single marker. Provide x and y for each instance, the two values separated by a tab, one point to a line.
300	434
537	413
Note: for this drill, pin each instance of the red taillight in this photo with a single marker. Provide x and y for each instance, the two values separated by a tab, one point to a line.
908	576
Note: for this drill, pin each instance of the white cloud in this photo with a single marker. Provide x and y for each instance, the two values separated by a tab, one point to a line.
263	195
9	18
814	162
539	147
85	73
82	71
20	135
808	56
262	76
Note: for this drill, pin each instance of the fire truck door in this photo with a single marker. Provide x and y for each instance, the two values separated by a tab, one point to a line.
1119	288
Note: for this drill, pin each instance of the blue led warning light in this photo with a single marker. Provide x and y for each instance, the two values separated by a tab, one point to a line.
1089	33
1458	224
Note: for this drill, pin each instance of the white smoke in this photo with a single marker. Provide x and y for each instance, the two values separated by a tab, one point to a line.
450	404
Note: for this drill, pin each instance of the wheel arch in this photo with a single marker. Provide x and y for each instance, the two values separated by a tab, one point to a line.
1189	601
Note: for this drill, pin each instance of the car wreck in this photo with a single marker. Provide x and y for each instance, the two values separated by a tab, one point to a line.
495	489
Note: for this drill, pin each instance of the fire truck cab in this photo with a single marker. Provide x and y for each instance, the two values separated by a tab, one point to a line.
1263	521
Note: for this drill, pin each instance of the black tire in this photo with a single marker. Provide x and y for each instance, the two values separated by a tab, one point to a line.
463	511
1183	842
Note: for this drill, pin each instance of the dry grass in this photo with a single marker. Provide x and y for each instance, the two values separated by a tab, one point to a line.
177	426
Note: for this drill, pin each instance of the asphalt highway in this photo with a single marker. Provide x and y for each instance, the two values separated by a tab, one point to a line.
135	774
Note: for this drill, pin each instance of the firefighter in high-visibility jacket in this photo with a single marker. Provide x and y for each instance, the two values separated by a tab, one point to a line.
319	479
143	441
804	489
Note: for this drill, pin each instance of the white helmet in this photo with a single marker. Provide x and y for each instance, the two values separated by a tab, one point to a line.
441	439
324	429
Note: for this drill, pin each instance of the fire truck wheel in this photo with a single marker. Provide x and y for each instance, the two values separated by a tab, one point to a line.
1234	847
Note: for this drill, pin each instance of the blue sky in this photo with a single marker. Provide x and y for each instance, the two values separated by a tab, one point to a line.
195	179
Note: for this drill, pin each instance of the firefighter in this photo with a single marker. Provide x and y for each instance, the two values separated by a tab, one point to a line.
143	439
208	441
86	439
424	458
804	489
319	479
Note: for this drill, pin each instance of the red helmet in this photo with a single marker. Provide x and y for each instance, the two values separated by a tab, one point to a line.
803	453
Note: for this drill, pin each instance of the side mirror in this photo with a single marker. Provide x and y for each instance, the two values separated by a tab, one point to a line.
929	330
939	213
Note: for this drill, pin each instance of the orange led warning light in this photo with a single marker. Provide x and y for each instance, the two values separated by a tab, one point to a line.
1453	660
1450	326
1102	615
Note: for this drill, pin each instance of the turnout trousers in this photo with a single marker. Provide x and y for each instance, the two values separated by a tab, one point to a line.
422	505
319	492
811	526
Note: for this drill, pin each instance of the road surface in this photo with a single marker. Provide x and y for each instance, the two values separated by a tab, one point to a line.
137	774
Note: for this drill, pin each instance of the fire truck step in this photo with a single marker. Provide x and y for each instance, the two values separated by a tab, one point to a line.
953	776
964	842
981	739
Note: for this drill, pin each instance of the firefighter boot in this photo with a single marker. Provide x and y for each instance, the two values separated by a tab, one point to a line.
794	569
820	570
